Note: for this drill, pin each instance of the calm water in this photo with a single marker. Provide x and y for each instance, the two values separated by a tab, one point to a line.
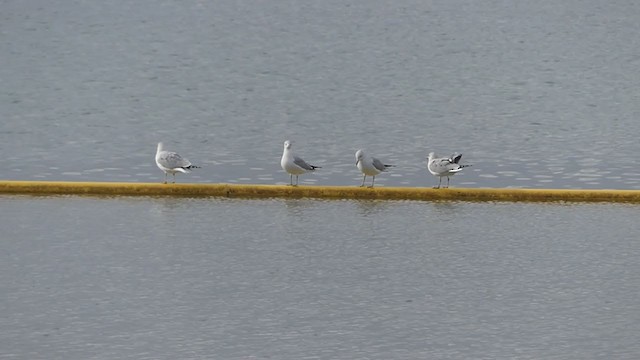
535	94
165	278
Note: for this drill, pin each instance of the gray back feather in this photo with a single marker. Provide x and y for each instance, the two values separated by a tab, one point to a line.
378	164
303	164
172	160
442	165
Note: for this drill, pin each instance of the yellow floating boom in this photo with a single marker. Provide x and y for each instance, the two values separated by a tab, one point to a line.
307	191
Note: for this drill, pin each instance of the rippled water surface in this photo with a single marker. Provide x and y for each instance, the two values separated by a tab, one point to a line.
168	278
536	94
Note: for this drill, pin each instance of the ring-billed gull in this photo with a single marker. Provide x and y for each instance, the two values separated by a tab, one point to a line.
293	164
369	166
171	162
441	167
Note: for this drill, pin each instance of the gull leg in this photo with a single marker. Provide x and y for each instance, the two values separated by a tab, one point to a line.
373	181
297	180
439	182
447	182
291	179
363	179
165	178
174	177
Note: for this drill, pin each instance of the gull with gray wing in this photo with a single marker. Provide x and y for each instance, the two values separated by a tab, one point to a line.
293	164
171	162
369	166
442	167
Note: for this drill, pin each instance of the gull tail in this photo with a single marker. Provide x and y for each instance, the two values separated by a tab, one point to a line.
385	165
459	168
185	169
313	167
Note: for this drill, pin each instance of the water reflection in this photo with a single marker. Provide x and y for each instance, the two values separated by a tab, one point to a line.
296	207
369	208
451	212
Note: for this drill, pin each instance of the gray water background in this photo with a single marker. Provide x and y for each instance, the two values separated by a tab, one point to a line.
175	278
536	94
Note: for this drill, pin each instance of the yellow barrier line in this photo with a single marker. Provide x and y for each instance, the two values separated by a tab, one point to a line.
308	191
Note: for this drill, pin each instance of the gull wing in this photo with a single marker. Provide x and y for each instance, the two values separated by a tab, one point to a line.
379	165
172	160
455	158
303	164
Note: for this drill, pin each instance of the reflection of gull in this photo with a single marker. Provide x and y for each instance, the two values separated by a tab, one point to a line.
369	166
441	167
171	162
293	164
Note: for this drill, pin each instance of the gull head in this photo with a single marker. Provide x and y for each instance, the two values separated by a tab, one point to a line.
359	156
432	155
160	146
287	144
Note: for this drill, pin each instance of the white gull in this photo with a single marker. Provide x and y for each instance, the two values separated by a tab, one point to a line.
293	164
442	167
369	166
171	162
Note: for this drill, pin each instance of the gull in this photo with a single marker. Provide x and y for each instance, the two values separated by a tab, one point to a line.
293	164
369	166
444	166
171	162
